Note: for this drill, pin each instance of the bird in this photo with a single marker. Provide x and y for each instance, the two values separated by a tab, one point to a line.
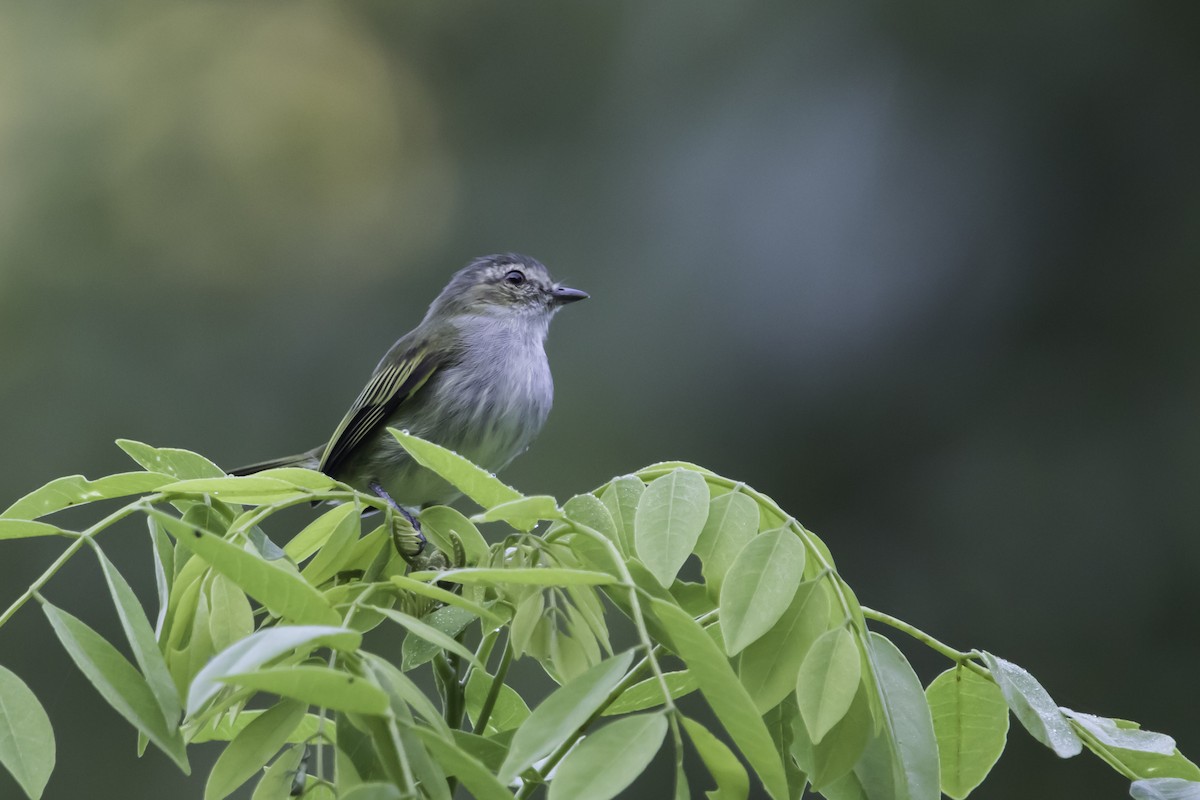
472	377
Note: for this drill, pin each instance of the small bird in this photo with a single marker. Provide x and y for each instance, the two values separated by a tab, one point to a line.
472	377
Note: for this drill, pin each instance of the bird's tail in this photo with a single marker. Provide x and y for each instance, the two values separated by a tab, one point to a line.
307	460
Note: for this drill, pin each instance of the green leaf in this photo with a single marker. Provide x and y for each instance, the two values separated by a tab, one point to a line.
563	711
337	548
406	584
230	617
373	791
725	694
970	720
253	747
117	681
828	680
1165	789
74	490
181	464
236	488
225	727
622	497
28	529
1034	707
759	587
143	643
732	781
476	483
439	523
524	513
508	712
648	693
276	783
770	665
259	648
26	737
670	516
478	779
302	478
831	760
1108	733
588	510
320	686
428	632
529	576
317	533
608	760
447	620
732	522
276	586
908	729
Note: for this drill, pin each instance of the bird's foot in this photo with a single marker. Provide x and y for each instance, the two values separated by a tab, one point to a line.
411	542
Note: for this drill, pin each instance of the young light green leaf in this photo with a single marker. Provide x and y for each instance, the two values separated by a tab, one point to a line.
180	464
529	576
74	490
608	760
317	533
320	686
143	643
230	617
970	721
225	727
253	747
1165	789
732	522
481	486
117	681
478	779
828	762
301	478
908	728
621	497
338	547
564	710
449	621
1108	733
276	783
725	694
670	516
1034	707
759	587
828	680
259	648
648	693
26	737
509	711
406	584
769	666
587	509
442	524
28	529
276	586
428	632
235	488
732	781
524	513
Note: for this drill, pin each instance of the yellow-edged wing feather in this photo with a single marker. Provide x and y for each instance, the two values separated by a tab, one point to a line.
390	386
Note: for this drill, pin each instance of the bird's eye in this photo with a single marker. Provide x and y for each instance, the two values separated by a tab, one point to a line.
514	277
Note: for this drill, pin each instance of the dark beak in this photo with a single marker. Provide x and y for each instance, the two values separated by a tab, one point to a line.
565	294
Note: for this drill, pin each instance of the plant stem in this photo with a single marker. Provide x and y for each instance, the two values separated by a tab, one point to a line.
957	656
489	703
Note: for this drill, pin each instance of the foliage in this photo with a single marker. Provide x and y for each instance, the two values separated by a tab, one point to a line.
262	647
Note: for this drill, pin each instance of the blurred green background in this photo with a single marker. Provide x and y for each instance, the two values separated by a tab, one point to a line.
925	273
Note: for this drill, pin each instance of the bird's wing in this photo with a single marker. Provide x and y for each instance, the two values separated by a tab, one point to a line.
390	386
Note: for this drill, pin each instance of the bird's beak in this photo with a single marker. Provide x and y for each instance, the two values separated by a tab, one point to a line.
565	294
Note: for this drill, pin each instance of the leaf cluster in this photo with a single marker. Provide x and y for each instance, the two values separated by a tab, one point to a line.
265	647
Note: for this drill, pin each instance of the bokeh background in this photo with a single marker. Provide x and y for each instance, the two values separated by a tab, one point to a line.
925	273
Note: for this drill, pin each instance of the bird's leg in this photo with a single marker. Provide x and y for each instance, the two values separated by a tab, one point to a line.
413	521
